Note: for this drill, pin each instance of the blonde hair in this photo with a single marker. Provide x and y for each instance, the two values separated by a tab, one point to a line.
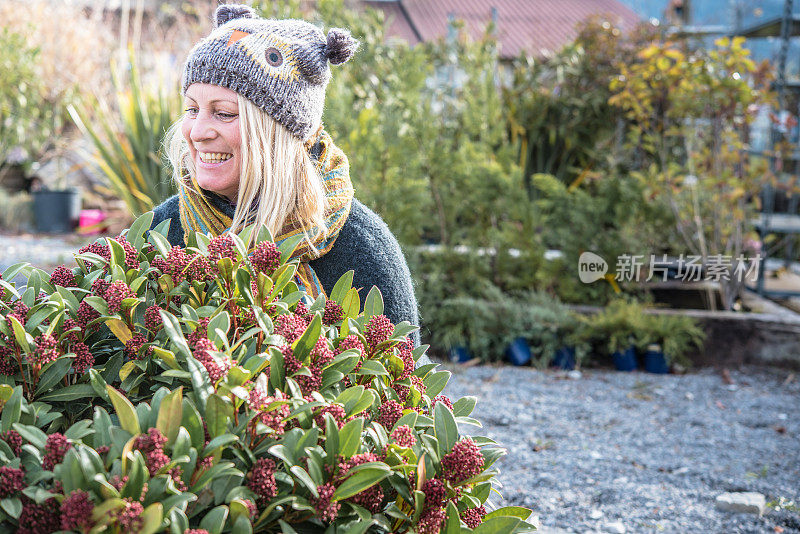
278	181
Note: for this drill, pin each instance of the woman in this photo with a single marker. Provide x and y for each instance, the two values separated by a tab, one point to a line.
251	149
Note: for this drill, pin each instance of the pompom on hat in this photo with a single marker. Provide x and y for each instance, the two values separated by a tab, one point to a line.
279	65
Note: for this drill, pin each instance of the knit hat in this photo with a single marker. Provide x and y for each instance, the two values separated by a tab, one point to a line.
279	65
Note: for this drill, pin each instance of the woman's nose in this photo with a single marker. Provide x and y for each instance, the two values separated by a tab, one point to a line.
202	128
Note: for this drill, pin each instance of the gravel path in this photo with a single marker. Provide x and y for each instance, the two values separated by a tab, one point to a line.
45	252
651	452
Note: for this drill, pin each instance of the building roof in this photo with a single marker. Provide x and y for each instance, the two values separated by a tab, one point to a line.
533	26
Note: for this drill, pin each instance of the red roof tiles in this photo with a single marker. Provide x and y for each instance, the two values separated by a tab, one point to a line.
533	26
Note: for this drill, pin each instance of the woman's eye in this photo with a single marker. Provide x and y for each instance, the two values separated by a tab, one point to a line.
190	110
226	116
273	56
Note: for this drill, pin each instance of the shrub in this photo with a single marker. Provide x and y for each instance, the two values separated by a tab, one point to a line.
154	388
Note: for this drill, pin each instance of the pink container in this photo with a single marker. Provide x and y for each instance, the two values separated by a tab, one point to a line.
91	222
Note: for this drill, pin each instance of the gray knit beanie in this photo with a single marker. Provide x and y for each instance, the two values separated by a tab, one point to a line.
279	65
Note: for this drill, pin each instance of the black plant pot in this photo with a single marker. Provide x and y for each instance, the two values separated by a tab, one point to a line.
518	352
56	211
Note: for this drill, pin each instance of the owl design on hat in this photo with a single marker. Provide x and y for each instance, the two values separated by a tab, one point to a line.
282	66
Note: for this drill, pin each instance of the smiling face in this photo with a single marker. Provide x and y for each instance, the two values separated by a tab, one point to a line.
211	128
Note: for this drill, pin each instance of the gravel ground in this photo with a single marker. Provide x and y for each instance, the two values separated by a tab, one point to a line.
651	452
45	252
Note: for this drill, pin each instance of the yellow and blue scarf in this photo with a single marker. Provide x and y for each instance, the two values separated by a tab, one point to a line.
199	214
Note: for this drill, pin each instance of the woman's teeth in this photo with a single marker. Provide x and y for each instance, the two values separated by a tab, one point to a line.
214	157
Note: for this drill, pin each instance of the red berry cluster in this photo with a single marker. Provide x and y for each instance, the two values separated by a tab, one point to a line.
134	345
11	481
327	510
76	511
195	531
407	356
115	293
20	312
290	364
273	418
221	246
85	314
47	349
217	368
389	413
463	462
129	517
201	332
152	318
301	310
69	324
443	399
379	328
39	518
333	312
8	366
55	448
13	439
181	265
473	517
151	445
265	258
290	326
99	248
336	411
433	513
63	276
131	254
261	480
83	360
404	436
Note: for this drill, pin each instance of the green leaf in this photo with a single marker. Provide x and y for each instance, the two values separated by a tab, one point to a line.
135	235
372	367
303	477
69	393
125	411
453	522
151	518
12	506
435	382
444	428
497	525
214	520
373	305
173	329
53	374
170	414
217	414
221	322
201	383
193	424
160	242
342	287
219	441
361	480
286	247
350	437
464	406
12	408
32	435
19	333
304	345
510	511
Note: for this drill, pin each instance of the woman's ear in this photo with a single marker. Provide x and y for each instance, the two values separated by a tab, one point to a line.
229	12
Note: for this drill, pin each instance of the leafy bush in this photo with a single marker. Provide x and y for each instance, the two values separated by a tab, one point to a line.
156	389
128	151
675	334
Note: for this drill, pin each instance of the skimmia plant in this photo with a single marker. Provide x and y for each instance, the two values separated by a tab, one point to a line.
160	389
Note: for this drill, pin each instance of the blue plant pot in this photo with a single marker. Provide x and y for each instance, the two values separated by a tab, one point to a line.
625	360
655	361
565	358
459	354
518	352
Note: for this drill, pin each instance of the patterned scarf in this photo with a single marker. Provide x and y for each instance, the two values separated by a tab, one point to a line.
198	213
